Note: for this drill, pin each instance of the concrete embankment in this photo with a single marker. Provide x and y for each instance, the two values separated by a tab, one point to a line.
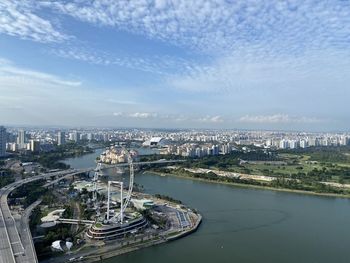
110	251
189	231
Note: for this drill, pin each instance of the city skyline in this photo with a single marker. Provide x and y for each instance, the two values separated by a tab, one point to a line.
157	64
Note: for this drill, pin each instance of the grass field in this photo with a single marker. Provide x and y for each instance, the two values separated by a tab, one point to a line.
318	164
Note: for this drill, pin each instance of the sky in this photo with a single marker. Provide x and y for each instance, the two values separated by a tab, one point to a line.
245	64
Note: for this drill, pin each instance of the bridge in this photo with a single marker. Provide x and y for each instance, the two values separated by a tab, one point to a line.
106	166
143	163
75	221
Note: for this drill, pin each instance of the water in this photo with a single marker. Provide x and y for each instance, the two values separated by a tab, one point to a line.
84	161
89	160
248	225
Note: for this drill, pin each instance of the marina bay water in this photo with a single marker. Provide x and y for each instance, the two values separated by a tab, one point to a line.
247	225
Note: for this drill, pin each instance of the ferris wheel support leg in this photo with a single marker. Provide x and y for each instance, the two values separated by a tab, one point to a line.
121	202
108	199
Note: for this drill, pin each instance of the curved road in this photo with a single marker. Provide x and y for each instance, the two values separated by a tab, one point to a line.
16	245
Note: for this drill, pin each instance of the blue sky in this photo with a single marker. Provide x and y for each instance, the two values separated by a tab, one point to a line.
255	64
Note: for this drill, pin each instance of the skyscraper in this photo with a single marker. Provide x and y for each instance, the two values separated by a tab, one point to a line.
21	139
2	141
61	138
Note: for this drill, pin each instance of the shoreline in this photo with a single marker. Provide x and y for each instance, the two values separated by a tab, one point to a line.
112	251
268	188
103	250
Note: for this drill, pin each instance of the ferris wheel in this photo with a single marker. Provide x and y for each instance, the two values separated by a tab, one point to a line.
124	199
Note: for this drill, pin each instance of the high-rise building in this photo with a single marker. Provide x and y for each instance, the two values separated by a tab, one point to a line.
34	146
21	139
76	136
215	150
61	138
303	144
82	137
293	144
3	135
313	142
90	136
344	140
284	144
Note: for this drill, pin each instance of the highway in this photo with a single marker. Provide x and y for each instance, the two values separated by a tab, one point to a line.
16	245
11	228
6	251
25	234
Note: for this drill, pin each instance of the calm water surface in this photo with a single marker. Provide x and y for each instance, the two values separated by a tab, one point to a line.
247	225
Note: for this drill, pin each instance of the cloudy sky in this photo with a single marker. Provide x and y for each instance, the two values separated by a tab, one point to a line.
262	64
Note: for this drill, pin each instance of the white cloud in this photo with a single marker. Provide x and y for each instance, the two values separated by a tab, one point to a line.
17	18
211	119
118	114
170	117
250	41
10	71
122	102
277	119
143	115
221	25
136	115
163	65
259	44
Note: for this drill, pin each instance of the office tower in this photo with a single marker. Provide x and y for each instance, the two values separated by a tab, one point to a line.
3	135
61	138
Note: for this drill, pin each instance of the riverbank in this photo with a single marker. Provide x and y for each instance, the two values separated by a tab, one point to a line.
93	250
251	186
239	220
113	252
109	249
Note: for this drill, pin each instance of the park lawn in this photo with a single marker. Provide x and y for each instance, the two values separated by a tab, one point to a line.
275	170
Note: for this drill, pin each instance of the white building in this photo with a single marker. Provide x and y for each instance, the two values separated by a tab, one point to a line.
303	144
155	142
142	204
21	139
313	142
90	136
293	144
34	146
283	144
74	136
61	138
344	140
